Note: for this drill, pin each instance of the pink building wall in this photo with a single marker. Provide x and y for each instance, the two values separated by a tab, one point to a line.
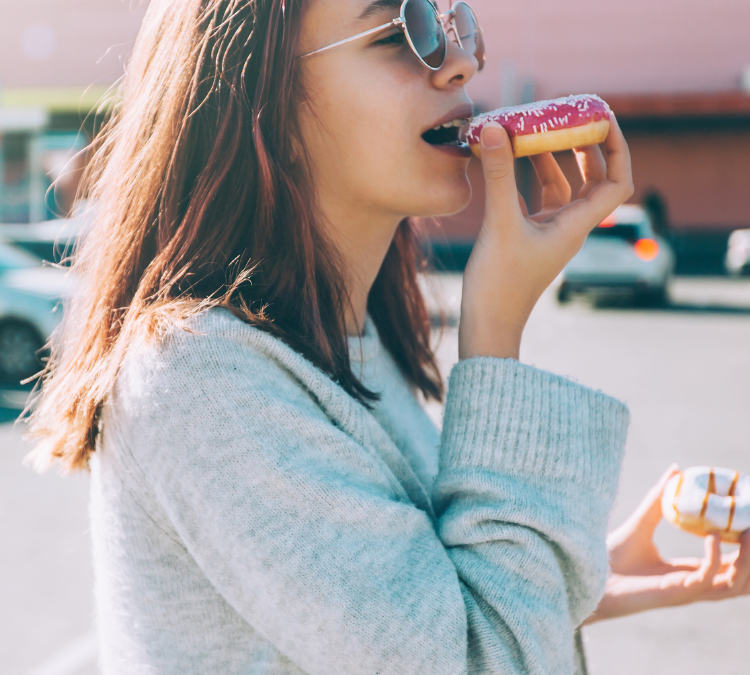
62	43
614	46
565	46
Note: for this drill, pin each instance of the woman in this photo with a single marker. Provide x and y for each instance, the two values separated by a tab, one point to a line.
242	365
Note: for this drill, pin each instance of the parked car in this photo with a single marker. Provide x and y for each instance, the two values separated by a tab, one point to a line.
30	295
623	252
52	240
737	261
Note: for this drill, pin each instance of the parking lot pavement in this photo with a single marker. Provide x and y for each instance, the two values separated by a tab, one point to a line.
684	371
45	594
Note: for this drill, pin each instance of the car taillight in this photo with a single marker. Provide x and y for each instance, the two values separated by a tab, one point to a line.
646	249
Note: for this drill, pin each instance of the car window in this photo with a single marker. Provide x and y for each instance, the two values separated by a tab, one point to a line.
13	258
625	232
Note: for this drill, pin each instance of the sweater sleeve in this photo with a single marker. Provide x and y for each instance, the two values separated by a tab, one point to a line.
529	469
308	536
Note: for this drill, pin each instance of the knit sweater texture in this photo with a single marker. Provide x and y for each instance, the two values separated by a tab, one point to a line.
249	516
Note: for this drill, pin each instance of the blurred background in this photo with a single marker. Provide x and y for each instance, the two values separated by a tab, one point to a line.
655	309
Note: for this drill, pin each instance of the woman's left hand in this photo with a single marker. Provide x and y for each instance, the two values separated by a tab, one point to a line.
641	579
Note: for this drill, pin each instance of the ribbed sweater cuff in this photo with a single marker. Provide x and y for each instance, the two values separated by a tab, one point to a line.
514	419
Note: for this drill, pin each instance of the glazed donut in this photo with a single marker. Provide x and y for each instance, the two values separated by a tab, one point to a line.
705	500
547	126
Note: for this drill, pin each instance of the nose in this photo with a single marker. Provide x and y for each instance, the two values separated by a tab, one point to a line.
458	69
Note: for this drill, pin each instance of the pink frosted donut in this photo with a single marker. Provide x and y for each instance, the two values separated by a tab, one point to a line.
705	500
547	126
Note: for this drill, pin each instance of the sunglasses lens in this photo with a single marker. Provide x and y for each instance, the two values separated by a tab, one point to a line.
425	31
469	33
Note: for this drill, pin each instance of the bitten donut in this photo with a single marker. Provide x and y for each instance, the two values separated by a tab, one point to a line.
547	126
705	500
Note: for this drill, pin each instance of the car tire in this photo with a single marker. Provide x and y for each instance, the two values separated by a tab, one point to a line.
563	294
20	351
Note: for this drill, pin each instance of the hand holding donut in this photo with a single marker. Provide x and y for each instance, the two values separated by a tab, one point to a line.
517	255
641	579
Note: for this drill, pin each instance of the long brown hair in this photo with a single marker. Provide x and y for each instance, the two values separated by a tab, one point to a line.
201	199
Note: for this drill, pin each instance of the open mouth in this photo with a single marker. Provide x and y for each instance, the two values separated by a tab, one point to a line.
450	133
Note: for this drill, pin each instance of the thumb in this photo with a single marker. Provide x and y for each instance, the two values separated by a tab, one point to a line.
499	173
649	514
642	523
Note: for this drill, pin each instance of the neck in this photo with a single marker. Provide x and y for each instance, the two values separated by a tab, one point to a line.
362	240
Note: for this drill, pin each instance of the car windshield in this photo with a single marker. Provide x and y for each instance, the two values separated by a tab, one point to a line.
625	231
13	258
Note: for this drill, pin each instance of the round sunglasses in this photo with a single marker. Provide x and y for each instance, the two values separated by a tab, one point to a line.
425	30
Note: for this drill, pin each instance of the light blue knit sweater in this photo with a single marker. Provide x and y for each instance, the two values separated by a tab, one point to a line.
248	516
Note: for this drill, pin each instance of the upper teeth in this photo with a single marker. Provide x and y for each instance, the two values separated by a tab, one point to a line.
458	122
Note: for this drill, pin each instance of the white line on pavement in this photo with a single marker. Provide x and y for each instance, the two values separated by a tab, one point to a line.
72	658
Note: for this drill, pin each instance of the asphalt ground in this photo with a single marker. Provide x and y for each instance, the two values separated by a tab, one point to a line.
684	370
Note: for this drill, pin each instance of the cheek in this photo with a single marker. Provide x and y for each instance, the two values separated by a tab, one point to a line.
362	114
364	139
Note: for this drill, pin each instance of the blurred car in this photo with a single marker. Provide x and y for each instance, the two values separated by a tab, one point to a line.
52	240
622	253
29	297
737	260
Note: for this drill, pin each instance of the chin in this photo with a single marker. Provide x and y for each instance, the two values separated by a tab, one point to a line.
447	197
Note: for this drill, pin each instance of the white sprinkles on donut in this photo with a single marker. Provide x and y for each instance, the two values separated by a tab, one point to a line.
548	126
705	500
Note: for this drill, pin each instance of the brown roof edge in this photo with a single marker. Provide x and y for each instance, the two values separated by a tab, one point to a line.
699	104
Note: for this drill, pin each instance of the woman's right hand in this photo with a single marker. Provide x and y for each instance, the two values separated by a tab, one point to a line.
517	255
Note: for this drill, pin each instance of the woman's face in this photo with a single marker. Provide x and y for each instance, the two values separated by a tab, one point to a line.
368	104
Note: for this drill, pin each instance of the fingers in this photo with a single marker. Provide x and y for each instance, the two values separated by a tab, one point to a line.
591	163
499	175
649	512
556	190
702	579
715	577
737	577
616	150
522	204
601	198
718	577
592	166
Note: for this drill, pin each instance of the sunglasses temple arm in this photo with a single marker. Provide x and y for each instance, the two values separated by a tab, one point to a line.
372	31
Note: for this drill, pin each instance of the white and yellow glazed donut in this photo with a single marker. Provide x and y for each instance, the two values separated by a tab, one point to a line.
706	500
547	126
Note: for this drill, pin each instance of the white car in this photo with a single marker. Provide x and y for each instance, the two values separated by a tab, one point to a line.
737	260
623	252
30	296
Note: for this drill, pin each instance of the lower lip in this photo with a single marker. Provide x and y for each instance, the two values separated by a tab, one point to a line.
462	151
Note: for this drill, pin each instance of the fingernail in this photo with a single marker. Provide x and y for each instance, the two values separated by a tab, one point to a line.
493	136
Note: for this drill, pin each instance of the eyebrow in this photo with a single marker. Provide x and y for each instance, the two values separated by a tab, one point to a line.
379	6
